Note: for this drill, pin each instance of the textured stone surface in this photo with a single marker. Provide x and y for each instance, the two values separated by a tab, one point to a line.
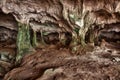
61	21
101	64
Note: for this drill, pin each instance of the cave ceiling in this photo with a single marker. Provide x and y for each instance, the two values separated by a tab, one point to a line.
61	11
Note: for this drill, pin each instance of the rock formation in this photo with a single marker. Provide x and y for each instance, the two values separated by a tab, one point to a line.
59	39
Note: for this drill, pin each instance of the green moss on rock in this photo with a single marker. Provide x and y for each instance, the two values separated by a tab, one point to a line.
23	41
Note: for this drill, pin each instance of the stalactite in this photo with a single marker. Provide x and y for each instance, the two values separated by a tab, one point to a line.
34	40
23	41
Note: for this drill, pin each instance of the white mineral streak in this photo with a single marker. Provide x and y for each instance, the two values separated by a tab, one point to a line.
80	23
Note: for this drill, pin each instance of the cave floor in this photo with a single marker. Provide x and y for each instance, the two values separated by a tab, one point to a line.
51	63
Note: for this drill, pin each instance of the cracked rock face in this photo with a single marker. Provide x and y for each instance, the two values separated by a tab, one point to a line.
95	22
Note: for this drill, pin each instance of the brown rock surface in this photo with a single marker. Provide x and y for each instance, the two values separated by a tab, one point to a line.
101	64
99	60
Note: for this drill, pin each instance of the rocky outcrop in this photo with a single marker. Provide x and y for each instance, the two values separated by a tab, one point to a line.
78	25
60	65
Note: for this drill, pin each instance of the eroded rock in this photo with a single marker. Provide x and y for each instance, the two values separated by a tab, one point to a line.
87	21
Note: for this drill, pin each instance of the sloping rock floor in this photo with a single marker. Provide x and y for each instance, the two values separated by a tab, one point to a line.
103	63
